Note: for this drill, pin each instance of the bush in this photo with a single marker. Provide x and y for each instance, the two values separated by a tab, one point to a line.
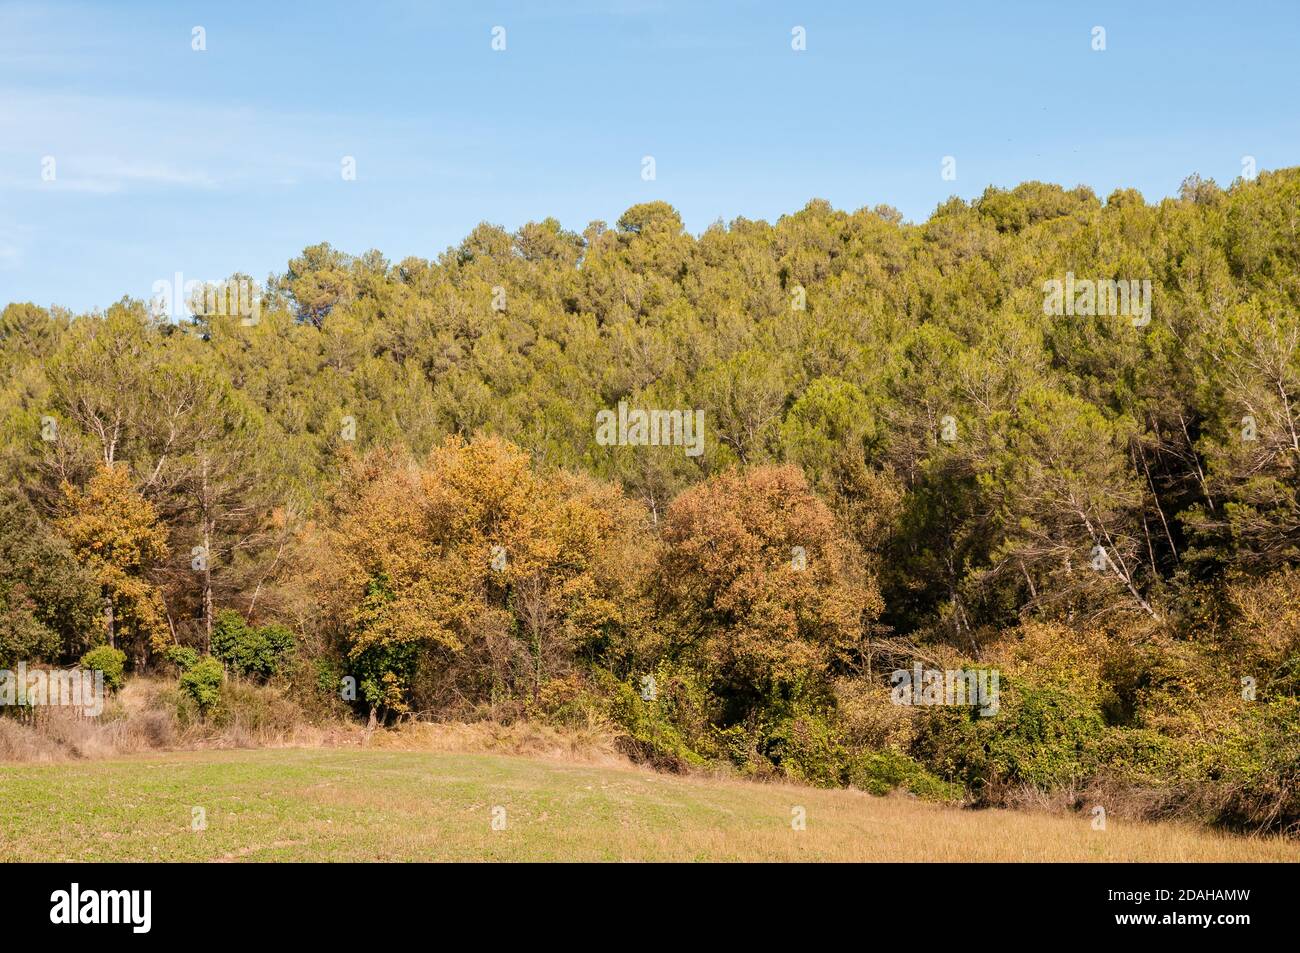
869	719
251	710
258	651
670	730
202	682
1047	733
183	657
879	772
807	746
1141	756
110	661
1253	769
568	702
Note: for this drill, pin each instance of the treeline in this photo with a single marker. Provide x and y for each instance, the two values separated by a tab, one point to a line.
389	478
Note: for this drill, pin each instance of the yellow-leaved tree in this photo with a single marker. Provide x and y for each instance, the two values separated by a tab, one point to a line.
116	534
473	578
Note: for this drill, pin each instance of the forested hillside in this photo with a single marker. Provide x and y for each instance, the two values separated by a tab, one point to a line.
910	454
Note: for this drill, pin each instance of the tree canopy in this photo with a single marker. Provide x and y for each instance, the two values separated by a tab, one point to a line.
398	464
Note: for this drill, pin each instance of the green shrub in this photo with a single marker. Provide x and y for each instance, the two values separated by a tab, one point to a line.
1252	769
1051	736
672	729
383	673
879	772
808	746
257	651
741	746
182	656
1142	756
202	682
812	745
1047	733
110	661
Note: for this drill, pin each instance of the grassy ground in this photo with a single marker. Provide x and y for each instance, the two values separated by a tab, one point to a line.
358	804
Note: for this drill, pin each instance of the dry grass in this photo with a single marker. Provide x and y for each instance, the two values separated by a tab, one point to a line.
522	738
143	717
387	804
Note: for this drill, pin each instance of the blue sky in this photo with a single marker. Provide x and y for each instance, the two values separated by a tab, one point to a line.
227	160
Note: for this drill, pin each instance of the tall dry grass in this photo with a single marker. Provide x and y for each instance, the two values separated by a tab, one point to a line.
149	715
525	738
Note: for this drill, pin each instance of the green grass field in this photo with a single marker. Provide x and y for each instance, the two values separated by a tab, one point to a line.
364	805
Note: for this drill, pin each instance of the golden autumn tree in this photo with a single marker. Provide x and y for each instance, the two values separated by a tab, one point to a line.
117	535
473	578
761	586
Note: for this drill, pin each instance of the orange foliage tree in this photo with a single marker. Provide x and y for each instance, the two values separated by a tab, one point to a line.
116	534
474	578
760	585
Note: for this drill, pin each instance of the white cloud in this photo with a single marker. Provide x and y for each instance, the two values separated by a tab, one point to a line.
105	144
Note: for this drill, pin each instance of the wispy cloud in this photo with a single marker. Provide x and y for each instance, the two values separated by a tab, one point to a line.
105	175
107	145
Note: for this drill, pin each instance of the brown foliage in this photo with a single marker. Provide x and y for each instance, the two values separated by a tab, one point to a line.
732	581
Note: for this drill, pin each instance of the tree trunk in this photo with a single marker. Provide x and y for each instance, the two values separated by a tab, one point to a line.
207	586
207	561
108	621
